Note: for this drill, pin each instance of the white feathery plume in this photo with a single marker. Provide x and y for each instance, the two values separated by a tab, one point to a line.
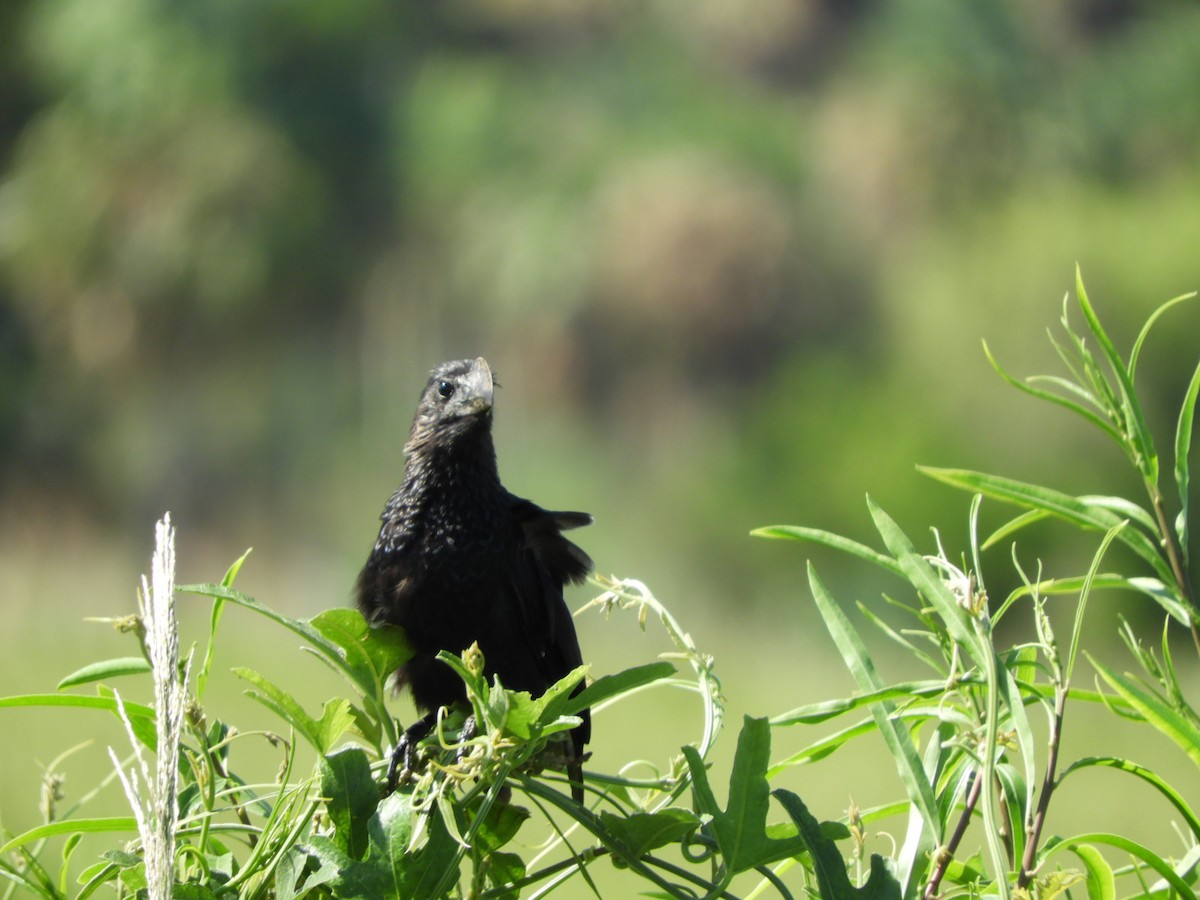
156	814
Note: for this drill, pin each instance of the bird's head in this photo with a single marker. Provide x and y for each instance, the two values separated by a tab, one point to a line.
457	400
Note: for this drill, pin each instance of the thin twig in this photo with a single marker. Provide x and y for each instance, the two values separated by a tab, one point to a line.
1175	559
947	853
1048	784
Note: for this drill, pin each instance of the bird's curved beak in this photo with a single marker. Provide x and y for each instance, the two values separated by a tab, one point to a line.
481	388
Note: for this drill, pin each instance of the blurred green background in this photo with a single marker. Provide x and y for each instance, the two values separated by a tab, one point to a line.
731	261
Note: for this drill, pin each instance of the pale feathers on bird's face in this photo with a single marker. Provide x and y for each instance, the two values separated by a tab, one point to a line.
457	398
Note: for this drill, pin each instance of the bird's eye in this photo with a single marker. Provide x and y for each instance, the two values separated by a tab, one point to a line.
445	390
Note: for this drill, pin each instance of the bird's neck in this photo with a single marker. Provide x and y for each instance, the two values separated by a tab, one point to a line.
466	466
450	494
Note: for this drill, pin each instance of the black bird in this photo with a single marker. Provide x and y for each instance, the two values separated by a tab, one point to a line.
459	559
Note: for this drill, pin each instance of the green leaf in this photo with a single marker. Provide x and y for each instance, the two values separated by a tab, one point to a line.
381	648
1145	456
609	686
1146	775
1053	884
1017	803
830	868
192	892
1154	316
1153	588
94	876
1183	447
214	622
477	685
133	710
109	668
1084	594
350	798
823	747
351	660
284	705
828	539
1125	845
1012	526
337	717
828	709
555	702
231	573
499	825
117	824
1074	510
392	867
1057	399
1178	728
965	872
500	872
740	829
416	873
639	833
1123	509
926	580
899	742
1101	885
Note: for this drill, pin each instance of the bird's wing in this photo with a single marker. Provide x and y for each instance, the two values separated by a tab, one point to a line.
542	534
546	562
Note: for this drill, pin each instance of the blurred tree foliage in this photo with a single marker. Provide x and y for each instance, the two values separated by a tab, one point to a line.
731	248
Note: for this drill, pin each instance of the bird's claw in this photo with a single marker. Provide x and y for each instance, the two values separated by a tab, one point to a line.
404	755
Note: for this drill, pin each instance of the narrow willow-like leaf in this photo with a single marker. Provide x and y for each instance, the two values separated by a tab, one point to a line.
1012	526
1147	775
828	539
829	709
133	710
1132	848
1156	712
1126	509
1052	397
899	741
71	826
609	686
1060	586
1170	676
1165	596
109	668
1135	421
1018	723
214	621
1064	506
1153	588
824	747
1101	885
1183	447
892	634
1018	794
1154	317
1084	595
927	581
1065	384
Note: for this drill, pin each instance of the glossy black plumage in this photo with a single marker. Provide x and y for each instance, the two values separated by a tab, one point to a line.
459	559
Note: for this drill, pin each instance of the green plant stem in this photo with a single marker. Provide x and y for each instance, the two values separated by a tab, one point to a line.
988	767
947	852
1175	560
1048	784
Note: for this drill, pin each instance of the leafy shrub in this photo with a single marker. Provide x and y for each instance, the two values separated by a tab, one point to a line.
961	739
